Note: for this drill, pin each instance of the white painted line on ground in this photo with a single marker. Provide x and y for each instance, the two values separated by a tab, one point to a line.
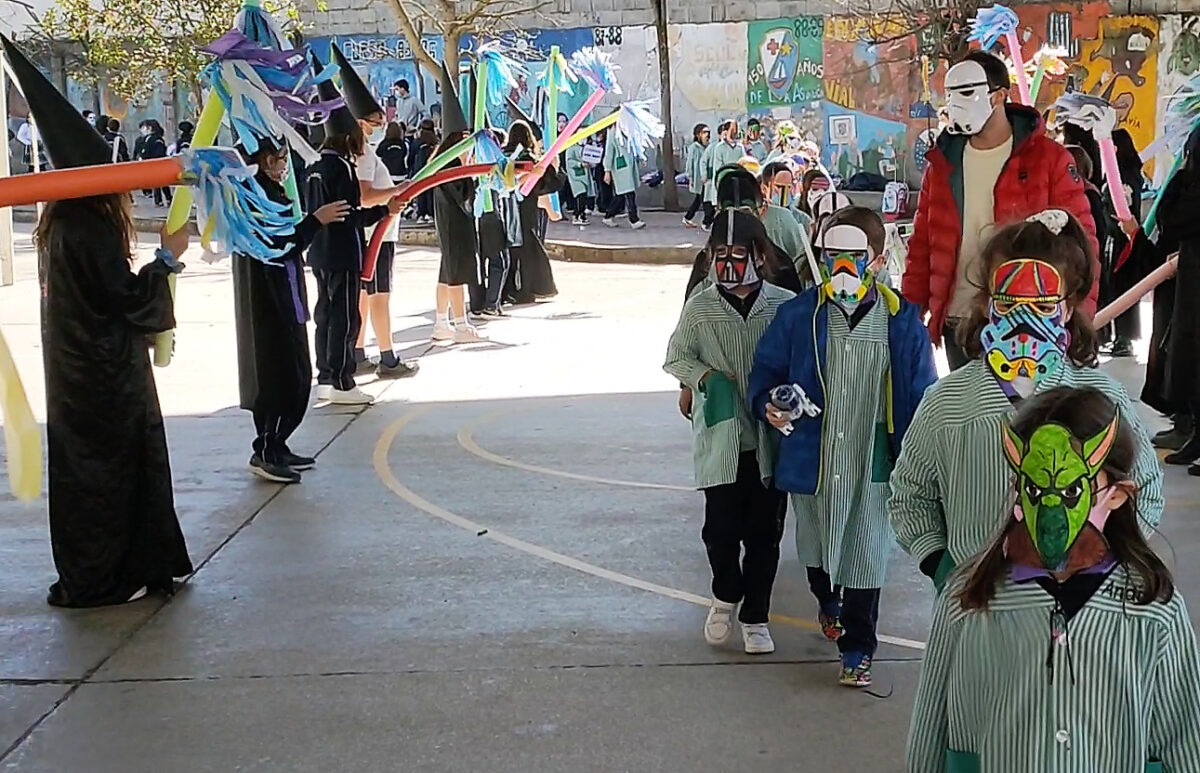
388	478
466	439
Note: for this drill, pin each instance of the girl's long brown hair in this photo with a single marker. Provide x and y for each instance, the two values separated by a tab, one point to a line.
1084	412
1069	251
61	216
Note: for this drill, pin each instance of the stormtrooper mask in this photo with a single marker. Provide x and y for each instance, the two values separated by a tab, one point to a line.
846	259
1025	338
968	98
816	189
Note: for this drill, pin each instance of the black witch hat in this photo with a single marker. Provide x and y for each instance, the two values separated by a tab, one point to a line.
453	119
518	114
358	97
69	139
340	120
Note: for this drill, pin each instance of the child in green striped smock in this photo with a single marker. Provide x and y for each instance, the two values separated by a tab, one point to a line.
1063	648
711	351
862	356
950	485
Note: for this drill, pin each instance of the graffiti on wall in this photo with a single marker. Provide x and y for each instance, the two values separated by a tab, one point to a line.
1178	66
785	62
866	96
708	73
1122	67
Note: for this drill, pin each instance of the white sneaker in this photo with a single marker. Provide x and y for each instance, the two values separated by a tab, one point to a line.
757	639
639	225
688	223
442	331
352	396
323	391
608	221
718	626
467	334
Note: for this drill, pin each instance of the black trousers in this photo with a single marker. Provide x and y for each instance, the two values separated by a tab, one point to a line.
859	611
337	320
744	514
274	429
580	203
629	200
696	205
955	355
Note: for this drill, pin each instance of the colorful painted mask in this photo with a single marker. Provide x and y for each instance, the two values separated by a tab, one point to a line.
734	265
845	267
753	131
968	98
1025	338
1059	501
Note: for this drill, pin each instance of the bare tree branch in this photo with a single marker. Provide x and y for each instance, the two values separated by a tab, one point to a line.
414	37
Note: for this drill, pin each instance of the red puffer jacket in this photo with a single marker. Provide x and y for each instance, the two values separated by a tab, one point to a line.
1040	174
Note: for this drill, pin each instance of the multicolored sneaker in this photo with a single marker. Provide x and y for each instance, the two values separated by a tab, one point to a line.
831	623
856	670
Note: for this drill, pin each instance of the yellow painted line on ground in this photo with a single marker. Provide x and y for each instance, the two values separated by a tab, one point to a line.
466	439
383	469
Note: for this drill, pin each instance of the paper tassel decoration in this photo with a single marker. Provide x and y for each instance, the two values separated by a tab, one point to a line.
1000	21
638	129
1182	117
1047	61
501	72
258	26
597	68
232	207
265	92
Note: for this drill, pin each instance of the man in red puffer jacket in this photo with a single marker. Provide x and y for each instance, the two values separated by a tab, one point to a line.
993	165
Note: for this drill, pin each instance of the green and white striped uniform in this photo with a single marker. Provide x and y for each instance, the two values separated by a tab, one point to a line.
986	704
844	527
711	335
786	234
719	154
952	486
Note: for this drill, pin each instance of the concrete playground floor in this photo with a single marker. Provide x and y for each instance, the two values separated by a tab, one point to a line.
497	567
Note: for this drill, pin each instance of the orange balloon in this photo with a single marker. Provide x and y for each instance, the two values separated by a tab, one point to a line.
87	181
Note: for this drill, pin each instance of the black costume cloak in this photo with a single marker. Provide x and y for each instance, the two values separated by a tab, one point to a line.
113	527
454	221
1180	226
270	306
530	276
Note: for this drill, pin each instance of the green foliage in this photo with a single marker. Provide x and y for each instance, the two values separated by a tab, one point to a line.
136	45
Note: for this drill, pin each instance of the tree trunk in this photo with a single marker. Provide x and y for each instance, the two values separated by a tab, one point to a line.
450	52
413	35
670	192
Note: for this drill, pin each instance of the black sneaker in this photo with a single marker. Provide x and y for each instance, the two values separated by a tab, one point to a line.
1188	453
276	473
297	462
401	369
496	312
1123	347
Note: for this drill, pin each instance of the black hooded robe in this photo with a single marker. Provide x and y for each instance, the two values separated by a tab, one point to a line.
454	222
530	276
113	527
1179	224
270	307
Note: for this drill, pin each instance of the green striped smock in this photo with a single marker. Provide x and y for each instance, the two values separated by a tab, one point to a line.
711	335
985	702
951	488
786	234
844	527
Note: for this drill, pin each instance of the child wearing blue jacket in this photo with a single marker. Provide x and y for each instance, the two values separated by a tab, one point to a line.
862	356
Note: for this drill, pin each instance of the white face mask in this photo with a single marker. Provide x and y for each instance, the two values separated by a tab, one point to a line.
968	98
376	135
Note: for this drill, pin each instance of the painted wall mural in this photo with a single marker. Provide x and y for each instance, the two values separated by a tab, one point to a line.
870	107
